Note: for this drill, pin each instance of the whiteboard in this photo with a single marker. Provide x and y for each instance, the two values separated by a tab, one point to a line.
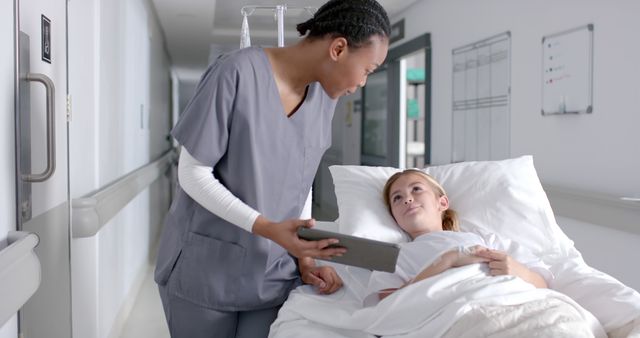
567	71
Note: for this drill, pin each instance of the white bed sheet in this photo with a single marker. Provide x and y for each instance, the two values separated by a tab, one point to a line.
341	315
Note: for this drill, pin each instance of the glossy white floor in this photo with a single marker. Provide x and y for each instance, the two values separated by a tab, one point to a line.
147	317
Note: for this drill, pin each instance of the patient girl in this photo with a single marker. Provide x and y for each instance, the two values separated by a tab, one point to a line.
420	206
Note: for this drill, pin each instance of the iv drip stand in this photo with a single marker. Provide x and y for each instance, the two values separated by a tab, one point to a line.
280	11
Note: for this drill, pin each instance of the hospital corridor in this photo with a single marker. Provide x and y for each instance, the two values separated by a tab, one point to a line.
160	156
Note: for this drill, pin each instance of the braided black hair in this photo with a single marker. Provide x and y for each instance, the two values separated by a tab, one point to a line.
354	20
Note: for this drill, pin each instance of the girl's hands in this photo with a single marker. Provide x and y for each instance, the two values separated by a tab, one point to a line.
285	234
324	278
466	256
500	263
450	259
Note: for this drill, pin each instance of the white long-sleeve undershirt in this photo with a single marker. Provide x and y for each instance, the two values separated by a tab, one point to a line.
197	180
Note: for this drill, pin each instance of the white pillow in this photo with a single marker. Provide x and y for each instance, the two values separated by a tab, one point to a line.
503	197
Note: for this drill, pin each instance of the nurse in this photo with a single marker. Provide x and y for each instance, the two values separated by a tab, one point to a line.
251	140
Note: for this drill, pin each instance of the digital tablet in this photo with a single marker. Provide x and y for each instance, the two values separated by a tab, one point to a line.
361	252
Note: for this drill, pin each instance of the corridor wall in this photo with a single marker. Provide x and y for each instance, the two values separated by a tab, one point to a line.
120	85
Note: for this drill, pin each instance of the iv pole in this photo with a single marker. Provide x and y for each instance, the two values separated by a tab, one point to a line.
279	12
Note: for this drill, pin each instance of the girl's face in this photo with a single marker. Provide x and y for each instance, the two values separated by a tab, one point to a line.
349	67
416	206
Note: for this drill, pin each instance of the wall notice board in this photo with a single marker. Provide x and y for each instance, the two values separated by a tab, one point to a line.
567	71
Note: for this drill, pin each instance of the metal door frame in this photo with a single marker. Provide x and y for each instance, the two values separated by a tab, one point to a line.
61	211
392	65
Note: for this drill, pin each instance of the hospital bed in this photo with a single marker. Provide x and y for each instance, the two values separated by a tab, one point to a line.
503	197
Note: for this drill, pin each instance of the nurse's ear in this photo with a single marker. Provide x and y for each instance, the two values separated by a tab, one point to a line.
338	48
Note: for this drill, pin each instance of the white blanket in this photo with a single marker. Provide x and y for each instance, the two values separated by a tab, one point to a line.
430	308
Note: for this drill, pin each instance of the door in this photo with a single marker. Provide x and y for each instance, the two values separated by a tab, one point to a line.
413	78
375	119
41	167
396	116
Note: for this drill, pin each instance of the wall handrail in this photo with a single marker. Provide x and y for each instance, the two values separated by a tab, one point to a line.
620	213
20	273
90	213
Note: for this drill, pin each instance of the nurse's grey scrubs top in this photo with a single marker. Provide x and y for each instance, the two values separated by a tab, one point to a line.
236	124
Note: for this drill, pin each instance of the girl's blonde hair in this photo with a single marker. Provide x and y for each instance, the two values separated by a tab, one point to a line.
449	216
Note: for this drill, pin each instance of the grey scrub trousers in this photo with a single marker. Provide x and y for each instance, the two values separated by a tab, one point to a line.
213	274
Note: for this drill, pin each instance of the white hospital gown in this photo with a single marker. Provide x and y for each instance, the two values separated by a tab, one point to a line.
415	256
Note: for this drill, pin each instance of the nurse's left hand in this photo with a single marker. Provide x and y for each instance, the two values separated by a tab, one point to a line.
324	278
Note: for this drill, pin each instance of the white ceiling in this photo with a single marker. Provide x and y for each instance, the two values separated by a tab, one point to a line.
193	28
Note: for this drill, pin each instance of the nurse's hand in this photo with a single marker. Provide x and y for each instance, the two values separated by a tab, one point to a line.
324	278
285	234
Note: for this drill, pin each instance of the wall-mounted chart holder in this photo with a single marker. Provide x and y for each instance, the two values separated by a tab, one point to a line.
567	71
481	108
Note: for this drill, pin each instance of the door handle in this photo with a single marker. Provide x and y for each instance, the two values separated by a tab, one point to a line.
51	129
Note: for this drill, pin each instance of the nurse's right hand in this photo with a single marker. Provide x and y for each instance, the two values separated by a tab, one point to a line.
285	234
